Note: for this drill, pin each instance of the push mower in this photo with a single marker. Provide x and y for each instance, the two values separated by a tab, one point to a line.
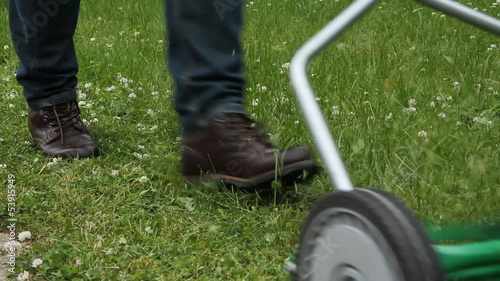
361	234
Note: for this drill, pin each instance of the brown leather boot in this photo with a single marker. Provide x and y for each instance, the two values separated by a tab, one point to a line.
236	152
59	132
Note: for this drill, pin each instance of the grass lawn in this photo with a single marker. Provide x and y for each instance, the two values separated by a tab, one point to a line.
411	96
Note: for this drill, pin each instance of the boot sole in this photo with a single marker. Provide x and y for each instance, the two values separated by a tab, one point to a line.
296	172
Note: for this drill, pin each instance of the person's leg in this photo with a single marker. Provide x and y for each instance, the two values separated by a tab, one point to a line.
220	141
42	34
205	59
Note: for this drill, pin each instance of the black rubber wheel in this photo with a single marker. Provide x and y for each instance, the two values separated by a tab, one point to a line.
365	235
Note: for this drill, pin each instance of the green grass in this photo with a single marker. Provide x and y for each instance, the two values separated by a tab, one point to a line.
94	220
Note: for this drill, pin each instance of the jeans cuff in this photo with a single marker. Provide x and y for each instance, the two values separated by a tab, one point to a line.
53	100
193	125
227	108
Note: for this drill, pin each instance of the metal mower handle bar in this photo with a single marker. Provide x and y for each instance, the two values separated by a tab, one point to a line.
305	95
465	14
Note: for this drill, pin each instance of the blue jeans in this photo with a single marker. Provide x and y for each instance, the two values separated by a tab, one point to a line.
204	55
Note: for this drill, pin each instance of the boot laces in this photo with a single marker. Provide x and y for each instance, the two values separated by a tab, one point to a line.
64	117
245	128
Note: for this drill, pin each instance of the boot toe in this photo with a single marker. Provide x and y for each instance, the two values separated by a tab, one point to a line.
295	154
80	152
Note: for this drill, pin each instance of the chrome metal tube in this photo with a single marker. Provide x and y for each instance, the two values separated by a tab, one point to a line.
305	96
465	14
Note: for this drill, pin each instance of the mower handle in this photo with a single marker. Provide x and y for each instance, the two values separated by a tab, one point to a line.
305	95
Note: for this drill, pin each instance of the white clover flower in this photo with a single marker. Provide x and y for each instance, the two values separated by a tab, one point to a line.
143	179
286	65
109	89
132	96
150	112
255	102
422	134
432	104
459	123
410	110
92	39
456	85
154	93
114	173
297	122
442	115
335	110
24	235
263	88
153	128
25	275
412	102
3	166
88	85
36	263
389	116
476	119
